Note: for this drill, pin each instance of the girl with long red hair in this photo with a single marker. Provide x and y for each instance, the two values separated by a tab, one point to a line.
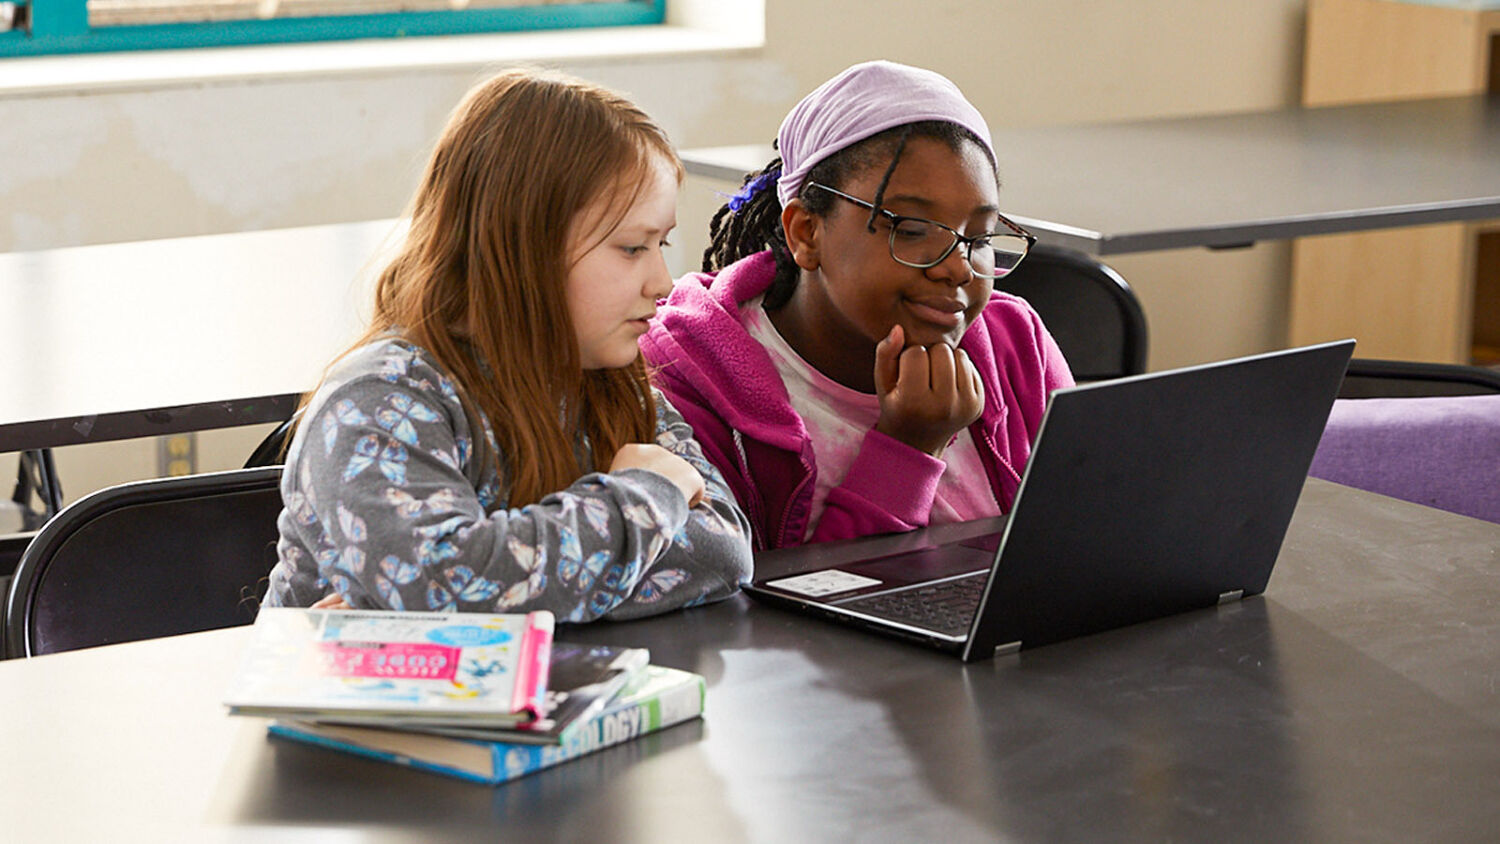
493	442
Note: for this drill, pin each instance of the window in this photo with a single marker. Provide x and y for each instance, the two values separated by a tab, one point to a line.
39	27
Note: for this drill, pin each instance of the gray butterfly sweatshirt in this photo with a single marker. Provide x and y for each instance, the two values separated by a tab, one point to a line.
385	506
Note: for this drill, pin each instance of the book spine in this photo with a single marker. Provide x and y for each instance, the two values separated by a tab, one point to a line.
676	697
617	724
288	731
530	692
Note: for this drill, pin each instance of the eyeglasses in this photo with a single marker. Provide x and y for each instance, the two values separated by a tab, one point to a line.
920	243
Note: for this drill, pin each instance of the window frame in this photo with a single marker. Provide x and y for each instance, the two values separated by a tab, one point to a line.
61	26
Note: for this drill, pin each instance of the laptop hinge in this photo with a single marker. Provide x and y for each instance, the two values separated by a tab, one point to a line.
1231	596
1007	649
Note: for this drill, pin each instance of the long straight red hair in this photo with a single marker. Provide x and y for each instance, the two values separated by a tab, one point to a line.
479	280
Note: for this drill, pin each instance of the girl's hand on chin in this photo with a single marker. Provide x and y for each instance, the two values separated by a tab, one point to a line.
927	395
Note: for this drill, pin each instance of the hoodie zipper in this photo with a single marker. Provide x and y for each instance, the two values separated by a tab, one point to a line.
994	454
755	504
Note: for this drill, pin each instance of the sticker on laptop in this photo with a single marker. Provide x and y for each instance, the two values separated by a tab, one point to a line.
820	583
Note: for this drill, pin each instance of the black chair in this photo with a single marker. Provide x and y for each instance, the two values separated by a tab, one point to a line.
146	559
1369	378
272	450
1089	309
36	478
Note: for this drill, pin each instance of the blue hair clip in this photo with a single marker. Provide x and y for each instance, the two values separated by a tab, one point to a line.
756	185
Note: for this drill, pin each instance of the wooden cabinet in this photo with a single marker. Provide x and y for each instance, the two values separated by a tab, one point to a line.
1419	293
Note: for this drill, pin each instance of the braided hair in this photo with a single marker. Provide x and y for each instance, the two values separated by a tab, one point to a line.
750	221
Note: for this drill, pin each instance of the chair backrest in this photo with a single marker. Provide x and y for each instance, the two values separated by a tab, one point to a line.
146	559
1089	309
272	450
1371	378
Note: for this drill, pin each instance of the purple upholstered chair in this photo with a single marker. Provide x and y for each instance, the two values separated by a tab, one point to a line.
1442	451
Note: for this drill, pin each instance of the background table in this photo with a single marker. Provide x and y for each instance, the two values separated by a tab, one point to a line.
1229	180
1423	292
158	337
1356	701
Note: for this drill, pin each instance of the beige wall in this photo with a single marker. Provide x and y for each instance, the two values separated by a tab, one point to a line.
194	158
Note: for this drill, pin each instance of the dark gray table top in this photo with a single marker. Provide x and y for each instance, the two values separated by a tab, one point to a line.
156	337
1356	701
1229	180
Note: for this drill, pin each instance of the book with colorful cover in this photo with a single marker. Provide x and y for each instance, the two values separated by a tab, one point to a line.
656	698
392	668
584	679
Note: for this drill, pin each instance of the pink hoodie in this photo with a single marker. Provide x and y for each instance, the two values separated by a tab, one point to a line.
726	387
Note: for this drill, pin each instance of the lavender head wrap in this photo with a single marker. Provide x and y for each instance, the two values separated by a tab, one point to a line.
864	100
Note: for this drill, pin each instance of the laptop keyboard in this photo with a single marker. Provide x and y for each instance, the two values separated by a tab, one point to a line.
947	607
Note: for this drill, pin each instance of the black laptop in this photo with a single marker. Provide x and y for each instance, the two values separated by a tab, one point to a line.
1144	496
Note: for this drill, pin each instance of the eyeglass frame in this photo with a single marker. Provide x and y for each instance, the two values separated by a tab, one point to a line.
896	219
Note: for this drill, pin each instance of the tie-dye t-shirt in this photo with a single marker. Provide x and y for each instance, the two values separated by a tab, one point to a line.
384	505
837	420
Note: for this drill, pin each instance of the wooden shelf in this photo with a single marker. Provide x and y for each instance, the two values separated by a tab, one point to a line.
1422	293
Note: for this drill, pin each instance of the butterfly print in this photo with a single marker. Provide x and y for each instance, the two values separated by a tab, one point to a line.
335	567
398	417
485	669
596	512
468	586
431	552
659	584
326	557
393	463
438	598
409	506
516	595
352	525
681	539
298	504
343	414
394	572
451	526
365	450
697	461
533	560
602	602
658	543
641	515
340	583
570	549
489	491
305	484
352	559
667	438
459	583
582	573
393	369
529	557
621	576
391	459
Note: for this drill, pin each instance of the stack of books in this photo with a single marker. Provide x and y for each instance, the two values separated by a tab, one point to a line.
485	698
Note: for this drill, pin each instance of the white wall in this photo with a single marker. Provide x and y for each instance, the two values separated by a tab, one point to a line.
190	157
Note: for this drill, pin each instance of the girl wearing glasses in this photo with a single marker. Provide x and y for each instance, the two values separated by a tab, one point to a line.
843	357
493	443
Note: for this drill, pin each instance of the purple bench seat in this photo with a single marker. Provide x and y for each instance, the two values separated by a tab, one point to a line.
1443	451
